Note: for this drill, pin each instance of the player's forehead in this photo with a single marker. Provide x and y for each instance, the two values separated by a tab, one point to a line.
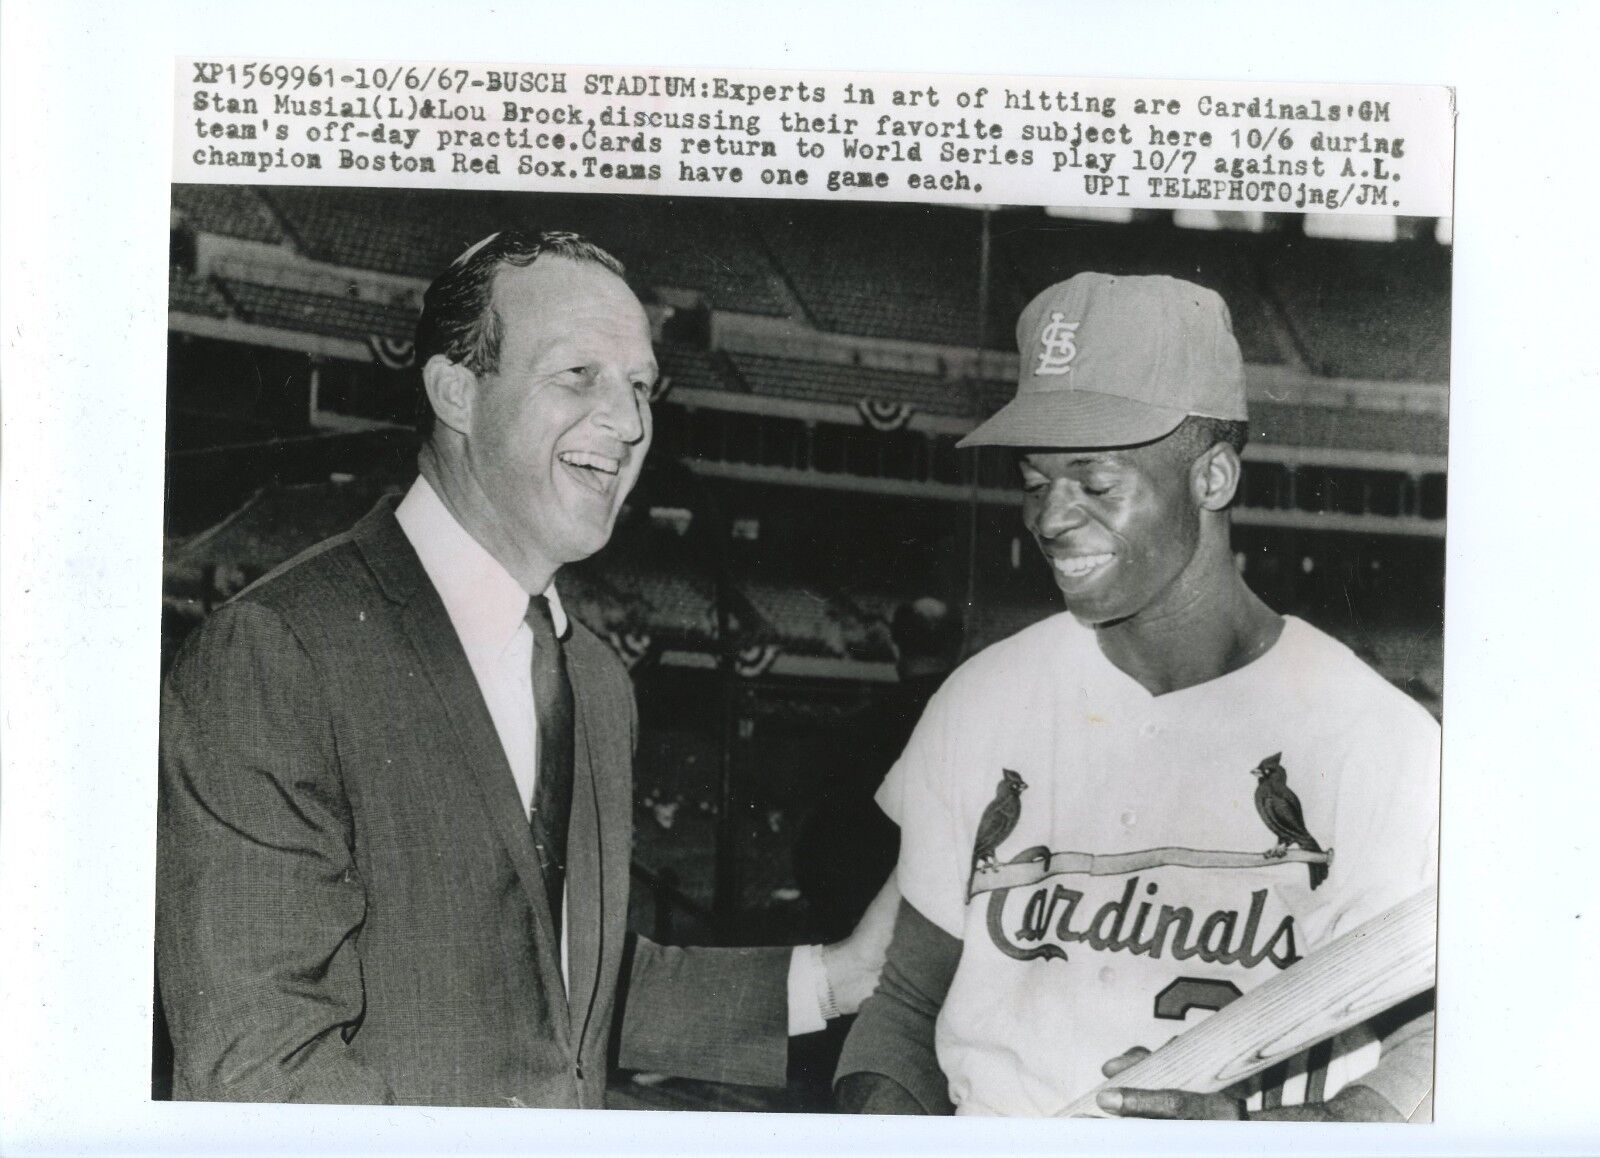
556	308
1048	460
1060	462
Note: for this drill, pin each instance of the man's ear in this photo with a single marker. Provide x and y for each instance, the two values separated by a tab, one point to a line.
1214	477
452	391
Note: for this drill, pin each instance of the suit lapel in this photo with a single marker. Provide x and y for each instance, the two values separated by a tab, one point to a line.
444	662
583	872
594	830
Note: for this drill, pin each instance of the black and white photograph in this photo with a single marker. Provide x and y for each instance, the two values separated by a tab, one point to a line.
1090	571
855	580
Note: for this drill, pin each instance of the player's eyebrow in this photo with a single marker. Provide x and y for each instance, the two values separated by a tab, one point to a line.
1086	457
1094	459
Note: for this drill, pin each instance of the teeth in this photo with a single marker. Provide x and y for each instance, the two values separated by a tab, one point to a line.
590	460
1077	566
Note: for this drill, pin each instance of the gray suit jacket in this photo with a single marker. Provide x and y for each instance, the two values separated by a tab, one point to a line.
348	903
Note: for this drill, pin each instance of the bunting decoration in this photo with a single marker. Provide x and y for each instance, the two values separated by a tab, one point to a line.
393	353
632	647
885	417
753	661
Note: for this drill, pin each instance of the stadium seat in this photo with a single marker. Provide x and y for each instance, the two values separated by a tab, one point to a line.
295	309
831	382
189	294
687	366
908	272
1374	310
227	210
1347	428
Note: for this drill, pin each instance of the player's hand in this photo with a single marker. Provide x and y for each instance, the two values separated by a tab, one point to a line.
1354	1103
1126	1103
853	964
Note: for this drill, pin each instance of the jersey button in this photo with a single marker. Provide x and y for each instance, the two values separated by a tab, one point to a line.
1129	818
1149	728
1107	975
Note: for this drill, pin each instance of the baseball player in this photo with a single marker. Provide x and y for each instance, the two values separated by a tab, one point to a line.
1122	818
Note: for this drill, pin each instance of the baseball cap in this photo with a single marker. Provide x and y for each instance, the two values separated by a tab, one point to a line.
1113	361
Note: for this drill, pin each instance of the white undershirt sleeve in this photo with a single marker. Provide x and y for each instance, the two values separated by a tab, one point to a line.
808	984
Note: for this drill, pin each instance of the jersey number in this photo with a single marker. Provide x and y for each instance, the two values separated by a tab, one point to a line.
1175	1001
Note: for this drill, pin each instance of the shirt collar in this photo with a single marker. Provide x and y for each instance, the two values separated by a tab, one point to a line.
485	604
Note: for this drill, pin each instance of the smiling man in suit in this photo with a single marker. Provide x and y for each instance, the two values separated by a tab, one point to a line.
395	804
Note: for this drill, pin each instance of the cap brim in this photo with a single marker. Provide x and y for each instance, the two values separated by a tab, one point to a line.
1074	418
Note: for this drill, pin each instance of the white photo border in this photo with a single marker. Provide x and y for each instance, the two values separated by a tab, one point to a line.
87	133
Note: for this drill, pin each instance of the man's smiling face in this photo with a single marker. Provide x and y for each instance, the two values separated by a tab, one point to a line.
1118	527
560	429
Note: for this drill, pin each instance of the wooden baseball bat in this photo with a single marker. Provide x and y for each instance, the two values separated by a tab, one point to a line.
1354	977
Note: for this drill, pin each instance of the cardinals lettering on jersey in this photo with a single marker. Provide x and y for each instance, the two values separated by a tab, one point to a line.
1136	881
1020	915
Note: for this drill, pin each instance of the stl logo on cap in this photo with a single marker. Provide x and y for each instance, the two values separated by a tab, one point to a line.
1059	346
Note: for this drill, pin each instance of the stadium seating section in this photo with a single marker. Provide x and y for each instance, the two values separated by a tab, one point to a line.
647	582
226	210
415	232
1358	310
700	247
904	272
662	590
296	309
907	272
278	523
1375	310
828	382
194	295
687	366
796	618
1338	428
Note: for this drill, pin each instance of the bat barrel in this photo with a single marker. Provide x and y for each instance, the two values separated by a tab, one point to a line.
1356	976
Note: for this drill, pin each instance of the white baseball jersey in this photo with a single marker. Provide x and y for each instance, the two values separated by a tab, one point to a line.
1119	864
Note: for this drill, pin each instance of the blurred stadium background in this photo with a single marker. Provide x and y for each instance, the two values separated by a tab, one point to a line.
820	361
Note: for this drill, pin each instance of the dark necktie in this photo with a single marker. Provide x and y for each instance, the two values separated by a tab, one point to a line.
552	792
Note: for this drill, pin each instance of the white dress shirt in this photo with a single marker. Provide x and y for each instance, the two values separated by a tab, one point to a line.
486	607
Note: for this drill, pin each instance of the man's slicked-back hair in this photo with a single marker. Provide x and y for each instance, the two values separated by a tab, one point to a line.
458	318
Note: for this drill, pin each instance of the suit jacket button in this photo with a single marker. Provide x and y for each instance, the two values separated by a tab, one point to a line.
577	1069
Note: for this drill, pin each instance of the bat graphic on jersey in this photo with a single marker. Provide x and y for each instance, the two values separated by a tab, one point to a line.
1280	811
1351	979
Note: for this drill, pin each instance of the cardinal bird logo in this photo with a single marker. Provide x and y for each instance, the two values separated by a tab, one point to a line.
1279	809
998	820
